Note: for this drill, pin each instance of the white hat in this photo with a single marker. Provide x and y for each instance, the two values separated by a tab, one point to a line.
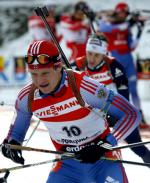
97	45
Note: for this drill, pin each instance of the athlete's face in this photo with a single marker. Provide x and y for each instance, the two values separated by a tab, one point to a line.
122	15
79	15
93	59
46	79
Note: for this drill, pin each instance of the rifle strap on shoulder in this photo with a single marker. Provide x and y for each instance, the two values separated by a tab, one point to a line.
31	96
72	83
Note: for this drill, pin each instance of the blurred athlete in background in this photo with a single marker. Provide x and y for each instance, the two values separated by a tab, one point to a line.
75	30
117	28
37	27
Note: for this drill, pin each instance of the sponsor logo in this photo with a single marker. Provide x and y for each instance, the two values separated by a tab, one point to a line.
59	108
101	76
110	180
118	72
69	141
101	93
78	148
122	87
96	42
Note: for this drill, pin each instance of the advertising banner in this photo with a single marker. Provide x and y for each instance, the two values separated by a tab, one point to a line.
143	68
13	71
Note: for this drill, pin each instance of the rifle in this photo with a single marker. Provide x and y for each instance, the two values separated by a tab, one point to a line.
143	10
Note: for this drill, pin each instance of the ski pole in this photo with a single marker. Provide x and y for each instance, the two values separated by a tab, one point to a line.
89	13
43	13
36	164
32	133
18	147
91	22
111	148
126	162
105	145
3	170
134	163
144	10
130	145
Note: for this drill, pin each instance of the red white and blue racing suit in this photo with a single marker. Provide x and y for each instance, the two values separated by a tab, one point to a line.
71	126
120	45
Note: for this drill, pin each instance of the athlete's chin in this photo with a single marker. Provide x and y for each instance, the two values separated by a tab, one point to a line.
92	65
45	90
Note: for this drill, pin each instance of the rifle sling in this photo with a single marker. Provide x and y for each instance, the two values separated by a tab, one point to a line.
72	83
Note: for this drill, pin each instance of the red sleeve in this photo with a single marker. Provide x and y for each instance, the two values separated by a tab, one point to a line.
73	25
35	21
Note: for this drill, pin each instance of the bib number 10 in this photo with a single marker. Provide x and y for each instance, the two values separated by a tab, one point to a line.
72	131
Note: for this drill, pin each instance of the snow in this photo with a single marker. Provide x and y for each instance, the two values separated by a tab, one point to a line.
40	139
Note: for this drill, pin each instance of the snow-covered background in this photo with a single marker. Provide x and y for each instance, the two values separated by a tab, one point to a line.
14	46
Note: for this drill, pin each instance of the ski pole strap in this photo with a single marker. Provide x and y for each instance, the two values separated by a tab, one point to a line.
108	102
31	96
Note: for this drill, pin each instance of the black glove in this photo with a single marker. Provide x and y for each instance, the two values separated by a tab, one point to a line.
15	155
92	153
4	179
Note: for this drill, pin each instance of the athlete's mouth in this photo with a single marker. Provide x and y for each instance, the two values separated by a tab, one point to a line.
92	63
44	85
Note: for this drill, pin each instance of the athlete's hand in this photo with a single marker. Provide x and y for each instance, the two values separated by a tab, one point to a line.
93	153
15	155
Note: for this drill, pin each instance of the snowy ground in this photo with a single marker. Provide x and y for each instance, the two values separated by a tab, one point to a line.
39	174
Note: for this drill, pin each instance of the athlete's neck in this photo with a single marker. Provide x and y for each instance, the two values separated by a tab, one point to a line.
58	86
97	67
